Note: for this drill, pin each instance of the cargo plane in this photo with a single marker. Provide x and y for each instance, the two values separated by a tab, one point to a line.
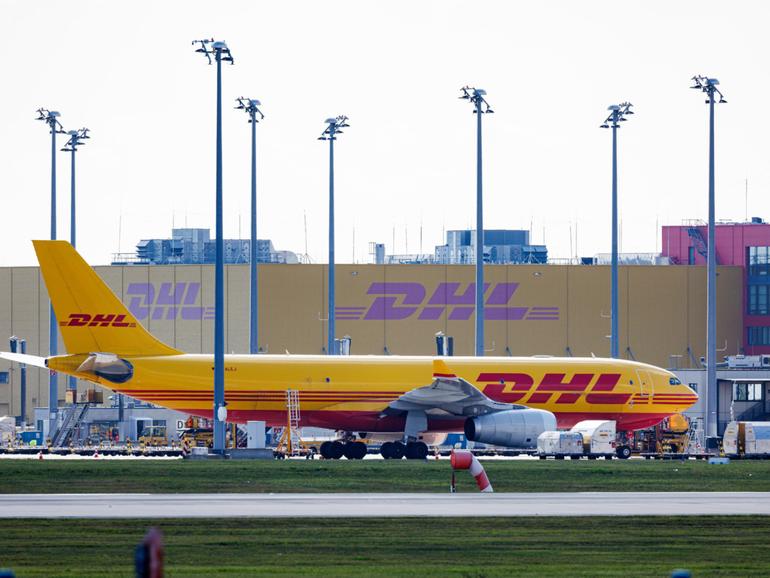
505	401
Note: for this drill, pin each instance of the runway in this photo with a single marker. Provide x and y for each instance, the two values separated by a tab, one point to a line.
382	505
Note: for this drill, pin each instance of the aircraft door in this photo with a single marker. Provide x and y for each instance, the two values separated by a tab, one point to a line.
646	386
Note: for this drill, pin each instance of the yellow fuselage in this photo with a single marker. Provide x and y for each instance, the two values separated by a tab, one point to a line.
351	392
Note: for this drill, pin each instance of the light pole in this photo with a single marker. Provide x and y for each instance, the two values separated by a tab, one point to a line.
480	106
75	140
709	86
221	53
330	133
51	118
617	115
20	344
251	107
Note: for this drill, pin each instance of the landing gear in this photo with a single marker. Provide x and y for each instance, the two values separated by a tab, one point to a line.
350	449
398	450
392	450
416	451
355	450
332	450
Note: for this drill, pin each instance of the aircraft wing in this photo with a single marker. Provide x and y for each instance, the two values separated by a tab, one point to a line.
447	395
32	360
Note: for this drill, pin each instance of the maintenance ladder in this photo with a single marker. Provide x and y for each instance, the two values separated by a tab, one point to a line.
289	441
293	415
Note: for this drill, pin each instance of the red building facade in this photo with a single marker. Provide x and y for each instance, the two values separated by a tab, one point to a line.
746	245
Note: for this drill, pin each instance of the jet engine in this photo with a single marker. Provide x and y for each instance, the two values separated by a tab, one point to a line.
514	428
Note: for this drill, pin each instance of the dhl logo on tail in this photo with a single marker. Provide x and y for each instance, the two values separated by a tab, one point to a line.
97	320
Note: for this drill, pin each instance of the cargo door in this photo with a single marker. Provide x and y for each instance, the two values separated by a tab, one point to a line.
645	383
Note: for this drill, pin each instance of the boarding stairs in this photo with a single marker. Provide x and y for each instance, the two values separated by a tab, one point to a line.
73	416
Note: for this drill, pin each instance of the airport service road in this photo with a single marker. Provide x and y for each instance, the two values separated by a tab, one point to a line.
384	505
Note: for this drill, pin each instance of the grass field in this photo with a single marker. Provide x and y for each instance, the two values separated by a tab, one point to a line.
467	547
81	476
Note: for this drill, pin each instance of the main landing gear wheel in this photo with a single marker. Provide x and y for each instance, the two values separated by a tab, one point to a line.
624	452
416	451
332	450
392	450
355	450
386	450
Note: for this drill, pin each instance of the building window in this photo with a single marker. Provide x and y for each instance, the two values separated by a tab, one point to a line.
693	386
747	392
759	336
758	300
758	261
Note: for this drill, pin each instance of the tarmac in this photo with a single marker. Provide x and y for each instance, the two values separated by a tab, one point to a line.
382	505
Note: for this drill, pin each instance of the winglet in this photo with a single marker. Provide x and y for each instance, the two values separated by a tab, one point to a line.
441	370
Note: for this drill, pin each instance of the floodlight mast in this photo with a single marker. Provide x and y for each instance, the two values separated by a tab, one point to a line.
51	118
481	106
76	139
251	107
709	86
330	133
221	53
20	345
618	113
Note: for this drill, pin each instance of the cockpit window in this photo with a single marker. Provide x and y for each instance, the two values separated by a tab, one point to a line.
674	381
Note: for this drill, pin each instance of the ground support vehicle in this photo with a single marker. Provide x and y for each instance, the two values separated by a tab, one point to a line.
747	439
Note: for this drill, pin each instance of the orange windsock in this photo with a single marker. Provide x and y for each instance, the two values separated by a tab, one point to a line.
465	460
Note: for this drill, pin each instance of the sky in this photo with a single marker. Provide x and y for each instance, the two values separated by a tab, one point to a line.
405	169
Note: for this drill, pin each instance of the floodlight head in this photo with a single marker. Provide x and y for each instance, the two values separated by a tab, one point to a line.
489	111
613	107
72	132
219	45
331	121
712	81
254	102
479	91
605	125
54	114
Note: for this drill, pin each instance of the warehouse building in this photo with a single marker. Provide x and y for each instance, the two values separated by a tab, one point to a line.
397	309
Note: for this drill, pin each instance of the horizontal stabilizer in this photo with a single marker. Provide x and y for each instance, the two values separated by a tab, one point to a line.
32	360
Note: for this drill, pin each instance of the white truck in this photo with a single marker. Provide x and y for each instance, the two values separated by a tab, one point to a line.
591	438
560	444
750	439
598	437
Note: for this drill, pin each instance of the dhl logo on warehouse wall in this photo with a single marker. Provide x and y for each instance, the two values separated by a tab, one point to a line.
393	301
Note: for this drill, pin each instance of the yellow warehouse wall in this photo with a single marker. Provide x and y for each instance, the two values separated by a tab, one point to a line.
662	311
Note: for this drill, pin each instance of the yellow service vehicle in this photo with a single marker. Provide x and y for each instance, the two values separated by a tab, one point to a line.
198	437
153	436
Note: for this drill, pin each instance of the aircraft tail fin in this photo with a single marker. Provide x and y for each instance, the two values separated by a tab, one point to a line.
91	318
